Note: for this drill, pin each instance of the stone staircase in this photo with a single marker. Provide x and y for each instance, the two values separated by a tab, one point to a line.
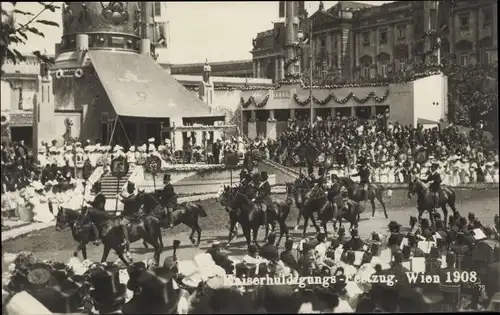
109	183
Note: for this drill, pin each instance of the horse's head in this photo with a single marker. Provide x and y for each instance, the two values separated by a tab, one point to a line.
224	196
415	185
65	218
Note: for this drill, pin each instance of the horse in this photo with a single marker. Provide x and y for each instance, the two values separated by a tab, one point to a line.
249	215
187	213
111	233
375	191
425	198
300	187
66	218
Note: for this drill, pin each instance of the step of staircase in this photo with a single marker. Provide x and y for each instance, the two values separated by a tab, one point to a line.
110	184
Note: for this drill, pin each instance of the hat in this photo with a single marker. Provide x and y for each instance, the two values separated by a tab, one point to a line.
151	140
132	149
107	289
263	175
393	225
41	150
78	144
142	148
117	148
167	177
151	147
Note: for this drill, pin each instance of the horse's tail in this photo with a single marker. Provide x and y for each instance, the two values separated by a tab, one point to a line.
201	211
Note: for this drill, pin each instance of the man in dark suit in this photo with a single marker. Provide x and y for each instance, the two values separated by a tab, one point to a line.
99	201
216	150
269	251
287	255
130	208
434	180
264	196
167	194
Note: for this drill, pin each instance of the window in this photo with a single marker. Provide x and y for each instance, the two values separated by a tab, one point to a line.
464	59
402	65
323	43
464	20
488	57
401	32
157	8
487	17
366	39
372	73
383	37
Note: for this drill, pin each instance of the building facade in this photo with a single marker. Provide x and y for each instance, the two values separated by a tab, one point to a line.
354	40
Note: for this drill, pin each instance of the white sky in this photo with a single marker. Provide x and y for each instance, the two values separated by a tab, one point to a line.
219	31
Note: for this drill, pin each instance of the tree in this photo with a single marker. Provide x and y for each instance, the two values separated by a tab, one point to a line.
11	34
472	94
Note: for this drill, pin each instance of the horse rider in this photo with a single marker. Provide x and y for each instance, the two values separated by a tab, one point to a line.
167	194
474	222
264	195
434	180
98	203
364	174
310	176
129	208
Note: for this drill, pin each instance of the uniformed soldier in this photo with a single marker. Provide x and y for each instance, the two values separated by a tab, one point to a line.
168	196
396	237
449	285
310	176
264	196
98	203
364	174
130	207
434	180
474	222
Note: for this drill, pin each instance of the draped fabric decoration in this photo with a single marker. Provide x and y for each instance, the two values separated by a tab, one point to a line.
337	100
251	100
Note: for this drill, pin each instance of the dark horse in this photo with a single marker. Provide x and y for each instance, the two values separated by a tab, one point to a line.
425	198
111	233
375	191
300	187
187	213
66	218
249	215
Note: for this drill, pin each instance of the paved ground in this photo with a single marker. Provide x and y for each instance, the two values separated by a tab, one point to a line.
49	244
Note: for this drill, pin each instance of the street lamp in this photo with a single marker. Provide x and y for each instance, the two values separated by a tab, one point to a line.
300	36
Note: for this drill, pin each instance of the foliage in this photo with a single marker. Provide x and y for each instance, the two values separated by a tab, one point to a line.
12	34
472	94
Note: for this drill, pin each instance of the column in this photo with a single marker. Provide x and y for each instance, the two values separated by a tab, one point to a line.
282	68
271	126
332	112
258	68
252	126
495	25
276	70
353	111
254	72
373	110
292	113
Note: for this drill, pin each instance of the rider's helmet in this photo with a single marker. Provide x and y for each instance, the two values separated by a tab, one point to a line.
434	166
321	171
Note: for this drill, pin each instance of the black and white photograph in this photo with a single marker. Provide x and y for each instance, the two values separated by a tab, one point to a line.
281	157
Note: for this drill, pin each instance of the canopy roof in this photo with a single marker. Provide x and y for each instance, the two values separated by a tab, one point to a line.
138	87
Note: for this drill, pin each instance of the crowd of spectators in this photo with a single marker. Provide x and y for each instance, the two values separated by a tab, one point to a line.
393	150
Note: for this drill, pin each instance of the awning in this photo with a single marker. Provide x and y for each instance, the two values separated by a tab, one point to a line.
138	87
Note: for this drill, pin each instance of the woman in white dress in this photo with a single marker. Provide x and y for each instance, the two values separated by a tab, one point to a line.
473	172
40	204
383	173
488	173
391	164
495	172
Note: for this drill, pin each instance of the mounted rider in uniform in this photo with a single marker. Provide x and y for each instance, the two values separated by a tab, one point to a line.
168	197
98	203
364	173
129	201
434	180
264	195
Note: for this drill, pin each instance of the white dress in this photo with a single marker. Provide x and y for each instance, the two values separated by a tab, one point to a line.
465	174
41	209
391	177
384	174
488	175
495	175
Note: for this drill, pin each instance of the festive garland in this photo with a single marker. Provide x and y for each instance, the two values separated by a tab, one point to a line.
290	61
337	100
251	100
194	167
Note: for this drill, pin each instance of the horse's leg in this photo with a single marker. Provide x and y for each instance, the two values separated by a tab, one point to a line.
315	224
380	199
122	257
372	202
304	228
191	236
84	250
445	212
105	253
198	230
255	230
301	213
145	244
232	225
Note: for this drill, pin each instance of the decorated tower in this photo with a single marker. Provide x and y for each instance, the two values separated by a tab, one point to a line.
87	27
293	10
